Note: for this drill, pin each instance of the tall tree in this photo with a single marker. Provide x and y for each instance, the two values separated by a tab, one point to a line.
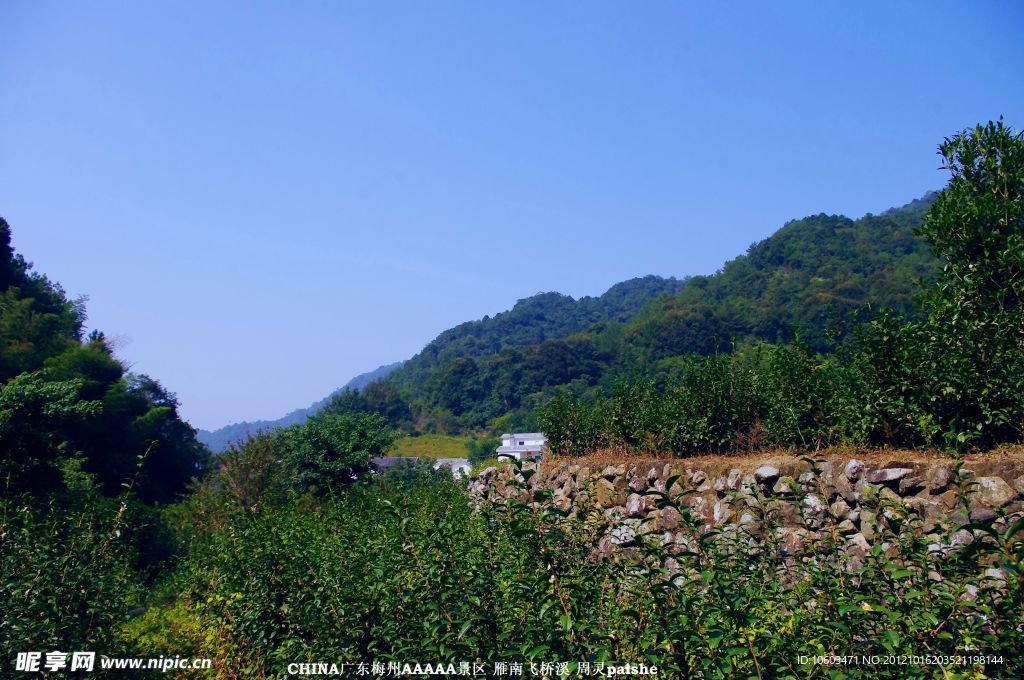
976	308
63	398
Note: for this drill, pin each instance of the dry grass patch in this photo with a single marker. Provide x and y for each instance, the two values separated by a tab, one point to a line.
1005	461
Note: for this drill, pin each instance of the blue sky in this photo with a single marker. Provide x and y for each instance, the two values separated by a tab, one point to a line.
262	200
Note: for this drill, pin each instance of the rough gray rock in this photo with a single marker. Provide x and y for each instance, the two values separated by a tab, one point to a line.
887	475
638	483
784	485
721	513
853	470
1018	485
668	518
982	514
937	477
993	492
868	524
845	489
839	508
858	543
732	481
792	539
813	506
604	491
889	495
913	484
624	533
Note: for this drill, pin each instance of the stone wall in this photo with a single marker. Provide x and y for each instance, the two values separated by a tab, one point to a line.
859	502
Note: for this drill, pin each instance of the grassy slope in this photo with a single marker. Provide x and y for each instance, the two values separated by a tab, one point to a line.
431	446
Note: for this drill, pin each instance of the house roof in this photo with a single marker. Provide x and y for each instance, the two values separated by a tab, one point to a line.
385	462
524	435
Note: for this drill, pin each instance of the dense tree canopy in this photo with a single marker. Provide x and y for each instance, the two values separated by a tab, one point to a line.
333	450
66	397
530	322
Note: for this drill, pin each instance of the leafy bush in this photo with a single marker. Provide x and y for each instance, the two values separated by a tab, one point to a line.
956	377
482	449
31	410
331	450
572	426
404	571
68	571
762	395
249	478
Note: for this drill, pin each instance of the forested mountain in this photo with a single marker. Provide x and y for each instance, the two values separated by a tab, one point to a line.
814	277
67	404
530	322
219	439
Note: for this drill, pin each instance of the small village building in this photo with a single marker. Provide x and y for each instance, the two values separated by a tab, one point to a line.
522	445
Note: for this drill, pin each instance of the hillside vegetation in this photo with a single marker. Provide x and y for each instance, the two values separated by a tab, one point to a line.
288	550
950	375
814	278
67	401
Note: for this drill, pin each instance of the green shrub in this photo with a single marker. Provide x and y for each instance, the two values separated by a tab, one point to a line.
404	570
571	425
483	448
332	451
68	572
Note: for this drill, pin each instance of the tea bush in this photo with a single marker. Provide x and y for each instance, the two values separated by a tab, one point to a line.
69	571
762	395
406	571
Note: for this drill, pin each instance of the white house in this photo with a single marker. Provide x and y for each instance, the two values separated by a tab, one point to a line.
522	445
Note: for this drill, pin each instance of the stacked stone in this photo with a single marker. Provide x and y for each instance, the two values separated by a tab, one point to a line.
855	504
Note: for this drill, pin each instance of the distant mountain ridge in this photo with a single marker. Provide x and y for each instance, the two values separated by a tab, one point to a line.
221	438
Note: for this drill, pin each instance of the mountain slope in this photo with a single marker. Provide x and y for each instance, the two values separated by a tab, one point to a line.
220	439
813	277
530	322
